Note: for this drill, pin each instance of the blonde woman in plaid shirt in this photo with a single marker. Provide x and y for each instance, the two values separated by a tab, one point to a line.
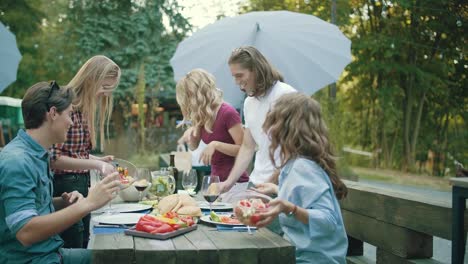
71	161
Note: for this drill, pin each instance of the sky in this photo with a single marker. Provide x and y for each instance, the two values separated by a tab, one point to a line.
203	12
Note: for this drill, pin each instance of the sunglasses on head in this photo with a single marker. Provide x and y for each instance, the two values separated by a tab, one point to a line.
52	87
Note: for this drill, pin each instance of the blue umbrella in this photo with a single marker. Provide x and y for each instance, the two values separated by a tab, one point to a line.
308	51
10	57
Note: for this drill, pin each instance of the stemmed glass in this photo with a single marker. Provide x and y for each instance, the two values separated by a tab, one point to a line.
144	178
108	209
190	181
210	189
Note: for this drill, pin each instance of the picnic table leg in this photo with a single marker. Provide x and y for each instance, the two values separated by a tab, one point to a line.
458	212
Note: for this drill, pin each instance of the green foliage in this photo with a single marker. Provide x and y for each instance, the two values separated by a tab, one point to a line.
405	90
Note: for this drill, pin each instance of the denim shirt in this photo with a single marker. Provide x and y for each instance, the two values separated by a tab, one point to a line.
25	192
305	184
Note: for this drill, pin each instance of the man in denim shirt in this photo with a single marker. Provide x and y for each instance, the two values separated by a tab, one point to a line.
30	218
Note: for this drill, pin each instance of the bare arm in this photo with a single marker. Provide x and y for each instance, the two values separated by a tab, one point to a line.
67	163
192	137
42	227
236	132
243	159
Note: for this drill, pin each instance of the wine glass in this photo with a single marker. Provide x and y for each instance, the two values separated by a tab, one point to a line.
190	181
144	178
210	189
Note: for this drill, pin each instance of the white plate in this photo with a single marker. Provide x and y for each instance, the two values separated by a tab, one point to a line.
207	219
214	206
118	219
124	208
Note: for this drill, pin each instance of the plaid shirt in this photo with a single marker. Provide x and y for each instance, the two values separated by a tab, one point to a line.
78	143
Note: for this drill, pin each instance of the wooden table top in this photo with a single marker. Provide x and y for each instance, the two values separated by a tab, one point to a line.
460	182
203	245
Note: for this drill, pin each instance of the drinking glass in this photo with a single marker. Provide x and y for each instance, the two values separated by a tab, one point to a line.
144	178
190	181
210	189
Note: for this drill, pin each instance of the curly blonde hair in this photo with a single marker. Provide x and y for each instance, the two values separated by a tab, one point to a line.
198	98
86	83
295	125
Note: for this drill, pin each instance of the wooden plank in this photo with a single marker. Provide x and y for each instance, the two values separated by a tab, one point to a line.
233	247
152	250
287	252
416	212
206	251
359	260
461	182
384	257
112	248
400	241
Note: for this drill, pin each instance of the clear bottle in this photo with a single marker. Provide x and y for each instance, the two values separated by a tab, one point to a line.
174	172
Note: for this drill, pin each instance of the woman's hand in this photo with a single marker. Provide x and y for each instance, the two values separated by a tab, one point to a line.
207	154
275	207
266	188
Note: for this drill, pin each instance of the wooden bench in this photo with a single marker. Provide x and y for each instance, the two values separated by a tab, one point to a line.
401	225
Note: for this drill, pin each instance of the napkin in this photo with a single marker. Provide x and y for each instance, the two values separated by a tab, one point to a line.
108	229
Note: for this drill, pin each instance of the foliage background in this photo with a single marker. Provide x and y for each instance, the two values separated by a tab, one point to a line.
403	98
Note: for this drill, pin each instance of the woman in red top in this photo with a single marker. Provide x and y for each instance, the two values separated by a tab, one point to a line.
214	121
71	161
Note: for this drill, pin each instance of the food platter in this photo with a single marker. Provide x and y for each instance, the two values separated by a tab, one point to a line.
207	219
133	232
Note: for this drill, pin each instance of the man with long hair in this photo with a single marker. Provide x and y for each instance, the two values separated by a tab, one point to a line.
263	84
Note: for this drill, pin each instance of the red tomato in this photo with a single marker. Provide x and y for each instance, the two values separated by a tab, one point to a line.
245	203
165	228
255	218
171	215
188	220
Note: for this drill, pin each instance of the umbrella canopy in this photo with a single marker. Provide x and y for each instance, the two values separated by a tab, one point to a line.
309	52
10	57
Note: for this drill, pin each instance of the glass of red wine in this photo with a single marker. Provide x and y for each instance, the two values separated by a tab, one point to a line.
144	179
210	189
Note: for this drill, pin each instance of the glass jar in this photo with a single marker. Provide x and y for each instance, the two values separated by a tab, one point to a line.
162	183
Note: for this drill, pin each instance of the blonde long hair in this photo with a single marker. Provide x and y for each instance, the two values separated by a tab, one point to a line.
86	83
295	125
198	98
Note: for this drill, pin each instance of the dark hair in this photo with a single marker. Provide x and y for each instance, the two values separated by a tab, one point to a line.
38	100
250	58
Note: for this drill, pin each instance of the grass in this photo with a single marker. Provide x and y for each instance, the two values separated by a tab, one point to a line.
403	178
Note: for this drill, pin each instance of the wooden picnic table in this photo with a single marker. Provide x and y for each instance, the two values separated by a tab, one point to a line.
204	245
459	196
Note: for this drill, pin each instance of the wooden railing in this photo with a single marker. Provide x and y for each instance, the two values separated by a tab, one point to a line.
401	225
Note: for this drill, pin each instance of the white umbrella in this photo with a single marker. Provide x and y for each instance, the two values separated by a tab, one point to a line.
309	52
10	57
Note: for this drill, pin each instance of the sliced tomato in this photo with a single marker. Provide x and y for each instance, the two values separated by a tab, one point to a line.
171	215
165	228
229	220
